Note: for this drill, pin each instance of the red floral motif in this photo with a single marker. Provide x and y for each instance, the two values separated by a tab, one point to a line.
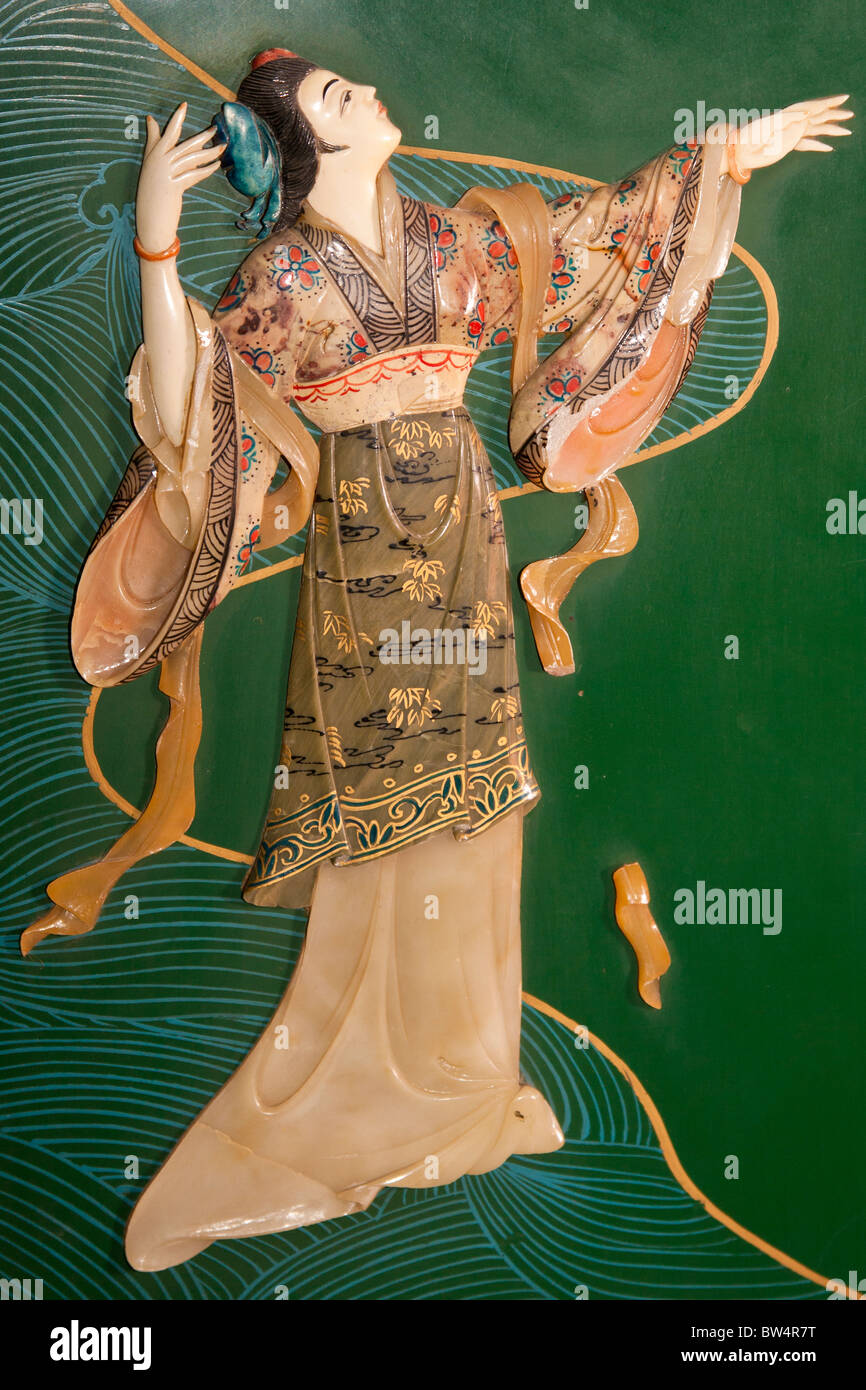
560	387
646	265
245	552
293	265
561	326
499	337
476	323
232	294
444	240
683	157
357	347
498	246
248	453
561	279
261	361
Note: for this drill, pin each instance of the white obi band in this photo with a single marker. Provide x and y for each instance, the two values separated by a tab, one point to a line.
429	376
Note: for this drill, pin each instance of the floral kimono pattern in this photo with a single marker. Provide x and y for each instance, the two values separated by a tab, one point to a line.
403	716
403	713
403	709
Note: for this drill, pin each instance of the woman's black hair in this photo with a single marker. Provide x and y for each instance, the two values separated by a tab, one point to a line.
271	91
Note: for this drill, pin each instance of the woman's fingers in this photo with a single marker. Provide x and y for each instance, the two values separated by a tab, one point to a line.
195	142
204	169
152	128
824	109
193	176
796	127
828	130
813	145
818	105
173	126
180	163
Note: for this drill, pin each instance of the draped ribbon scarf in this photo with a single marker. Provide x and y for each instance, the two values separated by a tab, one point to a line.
579	450
166	599
138	579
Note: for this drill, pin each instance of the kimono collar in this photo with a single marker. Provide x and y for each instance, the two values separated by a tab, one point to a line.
389	269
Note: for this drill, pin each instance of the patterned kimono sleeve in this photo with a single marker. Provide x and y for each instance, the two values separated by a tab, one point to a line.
145	586
613	236
263	314
477	278
630	284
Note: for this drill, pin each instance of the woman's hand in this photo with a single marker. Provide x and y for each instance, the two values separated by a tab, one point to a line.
768	139
167	170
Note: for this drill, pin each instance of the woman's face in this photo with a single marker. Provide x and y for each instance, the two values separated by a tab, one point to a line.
345	113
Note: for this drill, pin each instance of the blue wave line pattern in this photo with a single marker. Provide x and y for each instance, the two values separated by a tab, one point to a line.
603	1214
113	1043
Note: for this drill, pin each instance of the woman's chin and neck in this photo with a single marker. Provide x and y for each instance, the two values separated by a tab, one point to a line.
346	191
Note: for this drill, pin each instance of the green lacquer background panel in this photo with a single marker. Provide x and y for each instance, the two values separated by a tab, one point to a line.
743	773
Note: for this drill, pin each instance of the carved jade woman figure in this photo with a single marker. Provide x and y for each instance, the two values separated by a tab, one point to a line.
393	1058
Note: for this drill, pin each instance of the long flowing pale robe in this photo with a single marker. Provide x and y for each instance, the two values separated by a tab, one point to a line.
393	1058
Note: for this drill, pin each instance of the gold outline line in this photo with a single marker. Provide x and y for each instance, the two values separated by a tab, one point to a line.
500	161
114	796
671	1157
93	767
526	166
668	1151
291	563
770	344
771	341
146	32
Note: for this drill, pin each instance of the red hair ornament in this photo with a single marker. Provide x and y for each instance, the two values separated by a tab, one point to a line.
268	56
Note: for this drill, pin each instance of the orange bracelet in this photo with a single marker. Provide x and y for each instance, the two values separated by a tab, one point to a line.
167	255
733	168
